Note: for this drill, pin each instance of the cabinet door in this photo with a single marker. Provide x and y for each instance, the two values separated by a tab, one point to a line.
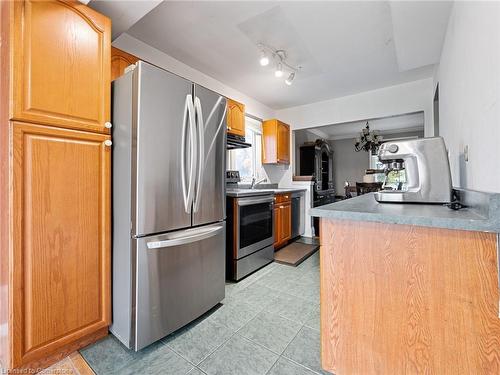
283	143
277	226
61	65
235	118
286	221
61	248
120	60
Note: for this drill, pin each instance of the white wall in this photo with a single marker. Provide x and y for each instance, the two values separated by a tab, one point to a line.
388	101
144	51
469	94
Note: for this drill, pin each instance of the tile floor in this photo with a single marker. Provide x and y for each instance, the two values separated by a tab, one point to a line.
267	324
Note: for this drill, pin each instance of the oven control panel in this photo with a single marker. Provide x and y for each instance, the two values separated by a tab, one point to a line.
233	176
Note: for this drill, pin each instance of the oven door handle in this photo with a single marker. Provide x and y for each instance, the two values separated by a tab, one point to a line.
248	202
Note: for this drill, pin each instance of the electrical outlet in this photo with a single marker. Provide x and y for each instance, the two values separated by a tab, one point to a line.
466	153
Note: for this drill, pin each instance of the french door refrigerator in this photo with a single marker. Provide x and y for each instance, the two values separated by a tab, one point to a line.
168	203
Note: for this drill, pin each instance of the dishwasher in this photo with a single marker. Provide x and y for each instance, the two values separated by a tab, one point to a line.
296	214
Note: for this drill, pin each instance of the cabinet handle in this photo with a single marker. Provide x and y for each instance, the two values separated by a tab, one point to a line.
108	125
229	128
108	143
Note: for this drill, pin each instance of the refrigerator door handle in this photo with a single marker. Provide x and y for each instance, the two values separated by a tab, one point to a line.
221	124
188	120
200	125
194	235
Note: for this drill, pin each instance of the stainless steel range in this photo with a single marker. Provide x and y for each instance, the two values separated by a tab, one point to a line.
250	237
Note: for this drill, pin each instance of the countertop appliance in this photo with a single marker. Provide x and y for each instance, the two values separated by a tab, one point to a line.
169	214
427	177
250	217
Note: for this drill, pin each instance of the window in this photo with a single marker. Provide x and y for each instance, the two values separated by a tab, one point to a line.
248	160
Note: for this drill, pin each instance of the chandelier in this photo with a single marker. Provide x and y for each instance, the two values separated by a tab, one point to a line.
368	141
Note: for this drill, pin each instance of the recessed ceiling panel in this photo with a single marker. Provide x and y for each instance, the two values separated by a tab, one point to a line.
344	47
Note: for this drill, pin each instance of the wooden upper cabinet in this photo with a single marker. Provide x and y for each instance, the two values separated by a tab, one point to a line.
120	60
275	142
235	118
61	264
61	64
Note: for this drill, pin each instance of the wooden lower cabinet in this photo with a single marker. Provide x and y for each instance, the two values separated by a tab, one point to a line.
286	221
277	227
404	299
60	266
282	220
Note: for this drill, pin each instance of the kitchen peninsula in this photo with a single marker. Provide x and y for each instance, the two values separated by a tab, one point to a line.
410	288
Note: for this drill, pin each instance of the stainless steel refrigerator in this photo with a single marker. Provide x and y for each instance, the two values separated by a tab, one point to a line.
168	203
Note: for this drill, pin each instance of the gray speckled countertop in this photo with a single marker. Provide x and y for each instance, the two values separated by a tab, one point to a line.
239	192
482	213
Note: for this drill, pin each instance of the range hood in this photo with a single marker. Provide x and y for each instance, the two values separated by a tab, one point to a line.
235	141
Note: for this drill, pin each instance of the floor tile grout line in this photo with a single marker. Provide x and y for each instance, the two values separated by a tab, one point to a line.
294	361
282	354
263	347
272	366
301	365
199	369
180	355
217	348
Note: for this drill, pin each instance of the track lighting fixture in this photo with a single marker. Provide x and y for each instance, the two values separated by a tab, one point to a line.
279	57
290	78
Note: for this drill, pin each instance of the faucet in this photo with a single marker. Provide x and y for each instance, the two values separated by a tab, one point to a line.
254	182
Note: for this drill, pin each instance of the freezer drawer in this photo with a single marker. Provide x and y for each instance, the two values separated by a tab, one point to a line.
180	276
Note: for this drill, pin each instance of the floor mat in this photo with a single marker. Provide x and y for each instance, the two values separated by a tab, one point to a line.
295	253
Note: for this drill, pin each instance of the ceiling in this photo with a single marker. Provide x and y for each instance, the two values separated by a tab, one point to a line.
344	47
387	125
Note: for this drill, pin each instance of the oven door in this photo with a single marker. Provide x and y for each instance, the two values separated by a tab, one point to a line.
255	224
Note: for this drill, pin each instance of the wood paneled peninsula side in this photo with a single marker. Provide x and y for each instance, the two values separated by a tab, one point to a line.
409	288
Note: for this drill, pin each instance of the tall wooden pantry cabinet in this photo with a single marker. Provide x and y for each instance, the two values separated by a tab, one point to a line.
55	160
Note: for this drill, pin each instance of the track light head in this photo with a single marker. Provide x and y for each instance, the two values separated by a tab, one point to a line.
290	78
264	60
279	70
